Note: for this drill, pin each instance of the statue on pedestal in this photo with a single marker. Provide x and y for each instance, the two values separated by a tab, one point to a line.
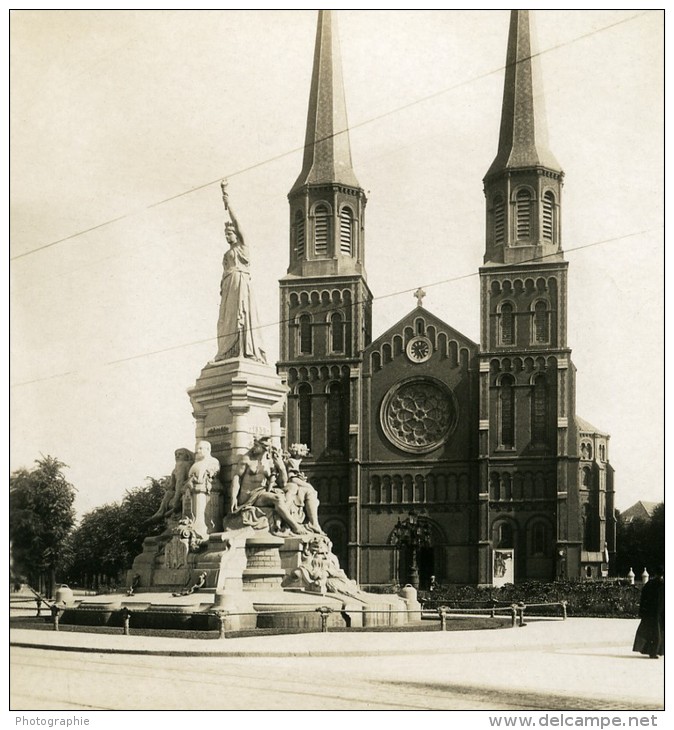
238	325
174	488
200	478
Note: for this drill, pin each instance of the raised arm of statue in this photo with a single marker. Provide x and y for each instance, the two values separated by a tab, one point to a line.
279	468
238	472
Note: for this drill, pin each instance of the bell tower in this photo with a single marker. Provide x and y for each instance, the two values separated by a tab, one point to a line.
528	470
325	302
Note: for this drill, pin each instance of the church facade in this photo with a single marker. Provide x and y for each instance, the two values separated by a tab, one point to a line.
433	454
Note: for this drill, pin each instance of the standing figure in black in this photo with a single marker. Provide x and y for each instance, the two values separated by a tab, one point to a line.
650	636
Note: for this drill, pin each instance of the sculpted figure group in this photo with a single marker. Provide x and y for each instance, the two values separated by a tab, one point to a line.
268	489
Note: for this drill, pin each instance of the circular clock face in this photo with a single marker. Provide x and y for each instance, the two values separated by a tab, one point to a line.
419	349
419	414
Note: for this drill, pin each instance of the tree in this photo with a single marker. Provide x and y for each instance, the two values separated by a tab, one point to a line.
111	536
641	543
41	516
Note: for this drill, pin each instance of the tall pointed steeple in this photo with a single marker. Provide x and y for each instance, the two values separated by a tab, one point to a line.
523	141
327	151
523	184
327	205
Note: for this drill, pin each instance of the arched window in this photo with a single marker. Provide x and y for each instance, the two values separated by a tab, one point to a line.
305	335
507	324
499	220
549	216
304	413
346	232
523	215
321	230
539	538
508	412
336	417
337	332
504	535
541	322
299	234
539	404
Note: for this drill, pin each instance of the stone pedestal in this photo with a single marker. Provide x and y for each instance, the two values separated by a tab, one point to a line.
234	401
263	568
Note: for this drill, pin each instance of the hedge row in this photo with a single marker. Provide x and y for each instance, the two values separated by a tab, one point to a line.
611	599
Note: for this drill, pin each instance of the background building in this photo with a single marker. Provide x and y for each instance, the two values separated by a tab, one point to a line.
480	441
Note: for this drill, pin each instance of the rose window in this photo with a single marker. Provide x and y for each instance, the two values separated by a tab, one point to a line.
419	415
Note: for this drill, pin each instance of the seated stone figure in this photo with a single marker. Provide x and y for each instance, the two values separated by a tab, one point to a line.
174	485
300	495
253	493
319	571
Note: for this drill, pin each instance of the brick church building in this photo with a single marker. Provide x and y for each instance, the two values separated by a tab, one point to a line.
478	441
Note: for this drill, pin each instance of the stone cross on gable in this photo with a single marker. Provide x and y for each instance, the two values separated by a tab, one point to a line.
419	294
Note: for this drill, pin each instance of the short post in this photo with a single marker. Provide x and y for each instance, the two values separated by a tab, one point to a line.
492	613
521	608
563	610
442	612
325	611
222	623
513	615
38	601
126	619
56	612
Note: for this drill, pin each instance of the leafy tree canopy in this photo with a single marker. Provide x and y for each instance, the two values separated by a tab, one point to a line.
40	519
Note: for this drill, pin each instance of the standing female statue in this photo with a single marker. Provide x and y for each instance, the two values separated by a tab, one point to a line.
238	325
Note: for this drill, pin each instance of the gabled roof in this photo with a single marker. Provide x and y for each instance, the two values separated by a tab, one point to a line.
586	427
639	511
431	319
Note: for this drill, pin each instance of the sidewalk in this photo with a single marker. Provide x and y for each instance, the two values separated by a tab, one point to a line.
580	657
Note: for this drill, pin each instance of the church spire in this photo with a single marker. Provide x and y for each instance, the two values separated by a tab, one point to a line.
327	151
523	186
523	141
327	205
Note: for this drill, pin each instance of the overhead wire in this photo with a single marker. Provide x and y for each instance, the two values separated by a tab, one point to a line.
328	309
349	128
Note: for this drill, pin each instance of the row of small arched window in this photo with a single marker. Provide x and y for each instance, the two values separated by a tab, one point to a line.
539	412
336	419
321	232
336	336
523	217
540	331
538	533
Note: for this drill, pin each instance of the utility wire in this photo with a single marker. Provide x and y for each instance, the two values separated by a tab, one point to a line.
292	151
327	310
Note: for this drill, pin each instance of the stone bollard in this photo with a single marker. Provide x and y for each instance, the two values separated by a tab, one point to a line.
222	623
325	612
56	612
564	610
513	615
630	577
521	608
126	619
442	612
38	601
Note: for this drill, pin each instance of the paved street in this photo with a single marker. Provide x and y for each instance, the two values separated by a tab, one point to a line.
581	664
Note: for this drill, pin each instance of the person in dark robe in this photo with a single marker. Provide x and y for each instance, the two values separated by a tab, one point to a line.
650	636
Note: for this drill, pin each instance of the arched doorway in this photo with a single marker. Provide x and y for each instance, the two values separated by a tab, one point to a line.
418	551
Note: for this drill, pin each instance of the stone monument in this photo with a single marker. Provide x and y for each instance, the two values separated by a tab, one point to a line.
242	534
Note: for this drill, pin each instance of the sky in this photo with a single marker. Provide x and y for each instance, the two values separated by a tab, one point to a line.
123	123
